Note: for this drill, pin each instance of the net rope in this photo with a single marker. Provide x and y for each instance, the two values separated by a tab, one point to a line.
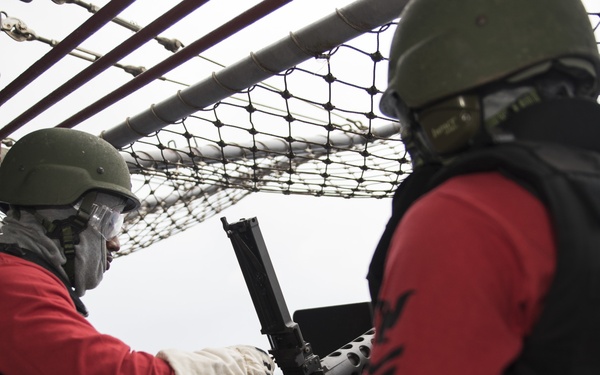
314	129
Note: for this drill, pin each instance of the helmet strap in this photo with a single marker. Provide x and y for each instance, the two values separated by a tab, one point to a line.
67	231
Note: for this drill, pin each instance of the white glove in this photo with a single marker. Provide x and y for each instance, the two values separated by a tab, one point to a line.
231	360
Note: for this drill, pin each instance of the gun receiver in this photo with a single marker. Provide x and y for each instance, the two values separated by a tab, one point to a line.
293	355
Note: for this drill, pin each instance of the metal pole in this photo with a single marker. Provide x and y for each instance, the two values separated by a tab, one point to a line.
200	45
343	25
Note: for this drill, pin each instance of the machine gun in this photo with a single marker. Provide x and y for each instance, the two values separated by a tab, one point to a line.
292	354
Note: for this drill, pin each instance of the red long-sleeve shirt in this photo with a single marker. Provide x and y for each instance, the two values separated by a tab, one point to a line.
465	278
42	333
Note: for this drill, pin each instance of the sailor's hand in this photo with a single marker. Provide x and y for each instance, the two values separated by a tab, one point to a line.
232	360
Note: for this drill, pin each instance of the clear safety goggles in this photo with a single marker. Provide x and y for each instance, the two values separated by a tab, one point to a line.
107	221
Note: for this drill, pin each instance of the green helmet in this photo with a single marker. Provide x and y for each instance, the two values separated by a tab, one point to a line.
53	167
446	47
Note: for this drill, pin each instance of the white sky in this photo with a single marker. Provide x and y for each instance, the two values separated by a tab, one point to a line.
187	291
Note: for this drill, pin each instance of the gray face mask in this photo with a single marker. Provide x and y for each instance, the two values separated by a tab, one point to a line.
91	254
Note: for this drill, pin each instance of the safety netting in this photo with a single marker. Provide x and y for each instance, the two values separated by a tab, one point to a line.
313	129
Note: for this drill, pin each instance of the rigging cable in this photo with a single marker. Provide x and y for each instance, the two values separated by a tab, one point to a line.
124	49
218	35
83	32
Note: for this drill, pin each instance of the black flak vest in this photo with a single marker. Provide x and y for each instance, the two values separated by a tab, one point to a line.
566	178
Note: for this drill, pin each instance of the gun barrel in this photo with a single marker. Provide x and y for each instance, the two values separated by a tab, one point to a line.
350	359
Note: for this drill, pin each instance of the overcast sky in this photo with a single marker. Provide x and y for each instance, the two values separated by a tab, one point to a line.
187	291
